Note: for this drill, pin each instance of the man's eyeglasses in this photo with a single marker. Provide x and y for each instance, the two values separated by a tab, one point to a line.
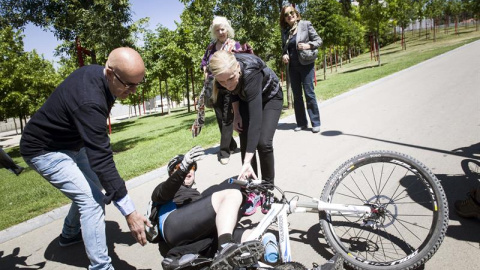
127	85
291	13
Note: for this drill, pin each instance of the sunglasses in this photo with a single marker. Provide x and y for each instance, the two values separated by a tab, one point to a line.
126	85
291	13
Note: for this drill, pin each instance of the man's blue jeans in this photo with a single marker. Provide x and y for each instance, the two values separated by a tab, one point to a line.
303	75
70	172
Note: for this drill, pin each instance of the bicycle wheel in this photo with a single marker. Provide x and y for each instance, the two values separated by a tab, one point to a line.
409	218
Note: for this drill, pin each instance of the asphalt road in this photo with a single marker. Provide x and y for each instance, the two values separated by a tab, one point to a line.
430	111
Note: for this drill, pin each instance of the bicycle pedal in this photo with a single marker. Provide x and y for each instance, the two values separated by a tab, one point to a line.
245	260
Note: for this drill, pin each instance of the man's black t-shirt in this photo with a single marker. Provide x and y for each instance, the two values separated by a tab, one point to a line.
75	116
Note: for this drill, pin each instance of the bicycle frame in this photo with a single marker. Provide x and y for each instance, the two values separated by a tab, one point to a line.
280	211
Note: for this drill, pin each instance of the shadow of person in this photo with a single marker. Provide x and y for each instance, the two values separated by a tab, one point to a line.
455	187
75	255
287	126
13	261
472	151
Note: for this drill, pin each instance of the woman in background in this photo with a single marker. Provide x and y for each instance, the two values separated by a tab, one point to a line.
222	34
299	43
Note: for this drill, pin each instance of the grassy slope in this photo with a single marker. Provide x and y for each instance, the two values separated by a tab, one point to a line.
143	144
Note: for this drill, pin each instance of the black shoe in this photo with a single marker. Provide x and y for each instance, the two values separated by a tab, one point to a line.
235	255
65	242
187	261
234	151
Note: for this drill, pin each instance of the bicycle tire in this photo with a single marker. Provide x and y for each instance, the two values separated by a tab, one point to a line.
404	180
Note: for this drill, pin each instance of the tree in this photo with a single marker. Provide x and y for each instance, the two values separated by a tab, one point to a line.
26	79
454	8
403	12
374	14
434	10
100	25
419	6
324	16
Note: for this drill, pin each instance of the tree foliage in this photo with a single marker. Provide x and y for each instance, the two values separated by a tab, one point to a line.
100	25
26	79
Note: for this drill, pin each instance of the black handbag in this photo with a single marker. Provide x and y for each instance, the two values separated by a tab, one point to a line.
308	55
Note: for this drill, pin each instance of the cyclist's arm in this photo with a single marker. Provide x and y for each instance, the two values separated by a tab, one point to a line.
166	190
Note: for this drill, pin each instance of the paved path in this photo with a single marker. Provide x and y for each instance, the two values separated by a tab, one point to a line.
430	111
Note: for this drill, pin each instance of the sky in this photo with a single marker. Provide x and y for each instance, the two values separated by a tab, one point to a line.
164	12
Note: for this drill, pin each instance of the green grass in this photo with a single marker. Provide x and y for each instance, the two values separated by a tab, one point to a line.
146	143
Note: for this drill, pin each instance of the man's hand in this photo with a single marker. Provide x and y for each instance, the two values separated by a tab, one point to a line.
195	154
136	223
285	59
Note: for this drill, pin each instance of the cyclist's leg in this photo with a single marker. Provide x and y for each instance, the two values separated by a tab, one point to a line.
197	221
226	204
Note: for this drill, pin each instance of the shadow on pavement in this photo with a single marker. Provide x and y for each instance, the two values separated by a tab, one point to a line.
456	187
76	256
14	261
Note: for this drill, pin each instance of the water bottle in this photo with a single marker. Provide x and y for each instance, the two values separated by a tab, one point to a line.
270	244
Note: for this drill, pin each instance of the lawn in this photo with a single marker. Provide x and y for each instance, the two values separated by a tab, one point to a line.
146	143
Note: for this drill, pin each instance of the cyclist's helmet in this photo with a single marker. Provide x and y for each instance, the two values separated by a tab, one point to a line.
172	164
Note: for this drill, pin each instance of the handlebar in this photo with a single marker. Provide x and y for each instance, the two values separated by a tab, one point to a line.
244	183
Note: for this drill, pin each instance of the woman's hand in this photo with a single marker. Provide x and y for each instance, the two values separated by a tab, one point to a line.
247	172
285	58
237	123
304	46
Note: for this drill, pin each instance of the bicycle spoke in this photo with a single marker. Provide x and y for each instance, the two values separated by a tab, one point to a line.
355	182
367	182
388	179
356	196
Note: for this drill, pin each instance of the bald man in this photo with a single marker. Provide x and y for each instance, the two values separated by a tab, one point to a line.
66	142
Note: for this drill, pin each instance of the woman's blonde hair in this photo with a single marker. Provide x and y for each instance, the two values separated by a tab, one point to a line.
221	61
221	21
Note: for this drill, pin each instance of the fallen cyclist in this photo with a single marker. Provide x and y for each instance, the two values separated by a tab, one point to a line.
191	224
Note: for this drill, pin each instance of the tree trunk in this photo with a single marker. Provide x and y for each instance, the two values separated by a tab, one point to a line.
143	101
21	125
161	95
188	90
193	90
168	98
341	59
139	108
395	34
456	26
349	54
426	29
420	29
331	61
335	51
325	67
447	22
371	48
378	51
134	105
